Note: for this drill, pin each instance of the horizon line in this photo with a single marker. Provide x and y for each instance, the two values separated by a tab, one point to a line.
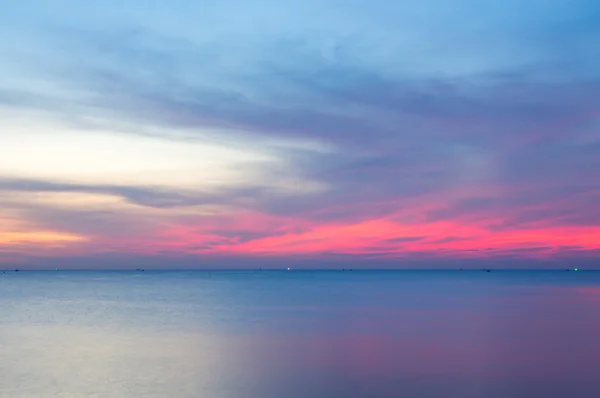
293	269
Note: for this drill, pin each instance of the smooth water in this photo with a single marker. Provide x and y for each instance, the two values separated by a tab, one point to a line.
300	334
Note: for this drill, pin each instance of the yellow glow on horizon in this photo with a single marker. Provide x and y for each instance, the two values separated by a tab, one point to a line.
15	238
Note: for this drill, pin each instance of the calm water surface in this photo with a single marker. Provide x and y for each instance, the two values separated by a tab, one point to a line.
300	334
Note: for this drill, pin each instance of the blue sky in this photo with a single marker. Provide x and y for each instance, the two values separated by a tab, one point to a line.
249	132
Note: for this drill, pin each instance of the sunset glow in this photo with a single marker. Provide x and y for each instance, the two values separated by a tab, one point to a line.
371	135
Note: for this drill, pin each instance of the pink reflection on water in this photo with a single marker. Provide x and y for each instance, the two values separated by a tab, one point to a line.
590	294
532	344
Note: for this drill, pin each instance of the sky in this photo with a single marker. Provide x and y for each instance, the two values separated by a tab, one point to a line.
316	133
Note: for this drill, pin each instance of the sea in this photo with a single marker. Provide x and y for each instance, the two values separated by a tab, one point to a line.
300	334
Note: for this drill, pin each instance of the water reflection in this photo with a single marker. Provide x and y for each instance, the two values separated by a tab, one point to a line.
164	335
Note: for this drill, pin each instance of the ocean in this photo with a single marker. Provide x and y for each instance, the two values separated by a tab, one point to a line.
296	334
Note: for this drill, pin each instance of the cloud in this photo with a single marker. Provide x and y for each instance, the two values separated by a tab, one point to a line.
141	196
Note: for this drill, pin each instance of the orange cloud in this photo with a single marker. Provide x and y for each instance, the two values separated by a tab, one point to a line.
38	237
